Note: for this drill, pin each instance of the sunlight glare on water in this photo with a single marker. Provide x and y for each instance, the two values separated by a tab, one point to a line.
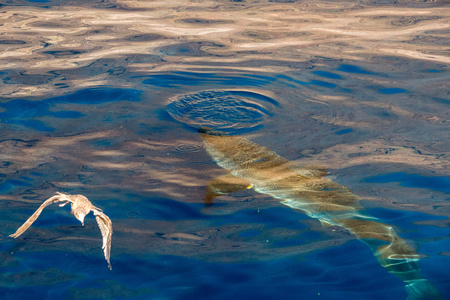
104	99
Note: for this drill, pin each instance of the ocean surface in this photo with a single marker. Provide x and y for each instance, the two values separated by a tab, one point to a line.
104	99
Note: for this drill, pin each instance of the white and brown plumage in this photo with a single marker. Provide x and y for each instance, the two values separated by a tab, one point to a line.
81	206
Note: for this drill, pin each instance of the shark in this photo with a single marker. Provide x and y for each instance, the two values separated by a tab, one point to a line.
309	190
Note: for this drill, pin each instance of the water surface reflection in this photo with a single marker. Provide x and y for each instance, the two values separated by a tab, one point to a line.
360	87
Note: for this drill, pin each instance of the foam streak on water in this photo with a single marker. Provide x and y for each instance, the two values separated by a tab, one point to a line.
104	99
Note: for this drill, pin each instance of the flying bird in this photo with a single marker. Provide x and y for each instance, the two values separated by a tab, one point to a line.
81	206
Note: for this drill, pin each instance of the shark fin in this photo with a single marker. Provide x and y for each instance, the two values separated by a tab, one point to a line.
223	185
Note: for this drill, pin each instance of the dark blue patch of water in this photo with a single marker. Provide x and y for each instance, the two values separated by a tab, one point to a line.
10	184
26	112
169	210
322	84
103	143
344	131
67	114
282	76
353	69
441	100
435	267
436	183
402	218
24	109
177	79
95	96
274	217
311	235
289	243
250	233
55	216
24	292
63	52
406	220
37	125
328	74
53	268
23	112
391	91
337	272
37	174
329	274
435	248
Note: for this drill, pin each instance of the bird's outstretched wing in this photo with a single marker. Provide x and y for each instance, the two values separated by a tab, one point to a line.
105	225
57	198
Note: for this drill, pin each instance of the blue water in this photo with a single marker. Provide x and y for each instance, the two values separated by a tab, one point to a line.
391	91
166	277
192	79
353	69
9	185
437	183
344	131
328	74
105	99
28	112
327	272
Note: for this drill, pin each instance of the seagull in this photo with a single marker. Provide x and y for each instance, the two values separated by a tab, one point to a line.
81	206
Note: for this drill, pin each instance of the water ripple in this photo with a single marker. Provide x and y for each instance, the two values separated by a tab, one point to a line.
184	148
195	78
226	111
24	112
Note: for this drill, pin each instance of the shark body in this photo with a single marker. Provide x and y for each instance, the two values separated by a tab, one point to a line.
254	166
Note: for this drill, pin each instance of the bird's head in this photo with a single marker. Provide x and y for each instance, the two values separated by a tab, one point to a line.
80	214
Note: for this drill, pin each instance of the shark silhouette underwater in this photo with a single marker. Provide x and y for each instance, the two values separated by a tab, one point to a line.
80	206
254	166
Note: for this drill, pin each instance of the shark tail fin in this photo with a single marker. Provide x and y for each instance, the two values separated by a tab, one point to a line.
422	289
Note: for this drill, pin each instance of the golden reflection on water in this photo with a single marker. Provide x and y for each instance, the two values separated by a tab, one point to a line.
61	39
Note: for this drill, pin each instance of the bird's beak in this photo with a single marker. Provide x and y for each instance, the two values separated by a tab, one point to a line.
80	217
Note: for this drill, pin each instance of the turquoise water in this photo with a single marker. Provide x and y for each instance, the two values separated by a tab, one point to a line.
105	99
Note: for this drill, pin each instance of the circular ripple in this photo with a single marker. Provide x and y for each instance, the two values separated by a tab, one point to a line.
183	148
225	111
168	169
132	214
